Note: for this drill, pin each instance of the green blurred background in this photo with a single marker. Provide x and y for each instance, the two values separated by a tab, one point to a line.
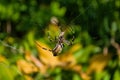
96	27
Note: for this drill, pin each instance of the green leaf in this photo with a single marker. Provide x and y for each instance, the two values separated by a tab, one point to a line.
76	77
56	10
5	72
117	75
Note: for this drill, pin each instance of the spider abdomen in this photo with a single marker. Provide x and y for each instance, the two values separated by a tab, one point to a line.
57	49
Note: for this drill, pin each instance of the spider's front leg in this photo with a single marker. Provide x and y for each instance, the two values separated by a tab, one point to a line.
42	47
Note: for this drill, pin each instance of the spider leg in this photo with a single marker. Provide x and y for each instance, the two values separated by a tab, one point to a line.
43	47
69	42
73	38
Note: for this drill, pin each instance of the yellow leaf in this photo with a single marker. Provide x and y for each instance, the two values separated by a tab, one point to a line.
37	62
46	56
98	63
85	76
2	58
71	64
68	59
28	77
75	48
26	67
77	68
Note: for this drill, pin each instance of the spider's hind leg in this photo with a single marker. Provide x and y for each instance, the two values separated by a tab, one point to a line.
73	37
71	41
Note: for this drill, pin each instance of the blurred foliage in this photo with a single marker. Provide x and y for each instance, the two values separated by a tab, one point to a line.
95	54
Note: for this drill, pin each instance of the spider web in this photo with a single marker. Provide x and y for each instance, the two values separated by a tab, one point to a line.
69	25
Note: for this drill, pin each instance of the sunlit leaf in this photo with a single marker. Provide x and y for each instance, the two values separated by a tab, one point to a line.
117	75
5	72
68	59
58	72
26	67
53	30
98	63
85	76
76	77
56	10
28	77
46	56
3	59
75	48
30	37
37	62
102	75
82	55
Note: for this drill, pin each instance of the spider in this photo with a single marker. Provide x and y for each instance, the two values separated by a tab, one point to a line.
60	41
